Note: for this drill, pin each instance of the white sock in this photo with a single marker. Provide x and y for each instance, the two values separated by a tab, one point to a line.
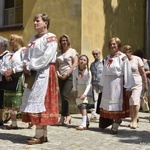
14	123
39	133
84	118
45	133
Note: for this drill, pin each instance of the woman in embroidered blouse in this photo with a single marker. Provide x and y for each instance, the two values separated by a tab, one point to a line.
116	75
66	61
12	65
40	99
3	52
83	89
139	75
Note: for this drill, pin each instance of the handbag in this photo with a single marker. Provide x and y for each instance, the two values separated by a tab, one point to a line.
144	102
29	80
9	85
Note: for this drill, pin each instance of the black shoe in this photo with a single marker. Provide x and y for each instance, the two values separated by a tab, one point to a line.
87	122
6	120
1	123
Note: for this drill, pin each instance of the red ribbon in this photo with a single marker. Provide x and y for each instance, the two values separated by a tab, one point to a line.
10	56
109	62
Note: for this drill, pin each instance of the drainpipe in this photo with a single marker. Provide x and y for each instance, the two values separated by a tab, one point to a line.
148	29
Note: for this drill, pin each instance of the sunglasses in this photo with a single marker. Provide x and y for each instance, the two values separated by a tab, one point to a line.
95	54
128	51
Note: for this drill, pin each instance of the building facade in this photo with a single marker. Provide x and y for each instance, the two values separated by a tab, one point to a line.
90	24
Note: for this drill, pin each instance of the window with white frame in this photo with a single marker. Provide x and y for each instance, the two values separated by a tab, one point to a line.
11	13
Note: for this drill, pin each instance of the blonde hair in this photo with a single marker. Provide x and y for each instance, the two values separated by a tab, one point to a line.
118	41
18	41
96	50
126	48
68	40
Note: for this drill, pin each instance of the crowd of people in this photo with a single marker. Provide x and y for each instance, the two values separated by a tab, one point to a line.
110	89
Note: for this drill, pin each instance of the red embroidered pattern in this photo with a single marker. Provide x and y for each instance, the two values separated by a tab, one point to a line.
118	114
109	62
30	44
50	116
10	56
80	74
51	39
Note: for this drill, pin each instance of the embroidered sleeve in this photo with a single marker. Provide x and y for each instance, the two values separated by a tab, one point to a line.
88	84
44	53
17	62
51	39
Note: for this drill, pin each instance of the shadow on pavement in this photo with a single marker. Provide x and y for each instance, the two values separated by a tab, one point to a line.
15	138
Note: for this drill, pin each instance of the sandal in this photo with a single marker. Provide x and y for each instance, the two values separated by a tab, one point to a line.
129	125
81	128
35	140
6	120
11	127
133	127
1	123
114	129
30	125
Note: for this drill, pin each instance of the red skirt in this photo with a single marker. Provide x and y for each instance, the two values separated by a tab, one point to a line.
118	114
50	117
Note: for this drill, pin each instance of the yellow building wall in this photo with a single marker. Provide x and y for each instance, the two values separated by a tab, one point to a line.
89	23
104	19
64	18
93	25
126	20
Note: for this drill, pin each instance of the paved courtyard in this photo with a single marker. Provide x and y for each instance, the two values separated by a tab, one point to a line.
68	138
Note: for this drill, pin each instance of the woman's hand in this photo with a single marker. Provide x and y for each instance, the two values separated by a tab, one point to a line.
8	78
75	93
128	94
145	87
83	96
9	72
26	71
63	77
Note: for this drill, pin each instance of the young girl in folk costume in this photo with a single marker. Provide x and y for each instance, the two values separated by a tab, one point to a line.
82	89
40	100
12	67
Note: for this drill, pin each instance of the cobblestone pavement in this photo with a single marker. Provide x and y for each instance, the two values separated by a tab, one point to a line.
68	138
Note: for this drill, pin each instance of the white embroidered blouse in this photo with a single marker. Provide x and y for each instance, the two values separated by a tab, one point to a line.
85	78
118	67
13	60
40	53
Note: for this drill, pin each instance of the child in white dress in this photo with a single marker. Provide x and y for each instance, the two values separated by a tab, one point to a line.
82	89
